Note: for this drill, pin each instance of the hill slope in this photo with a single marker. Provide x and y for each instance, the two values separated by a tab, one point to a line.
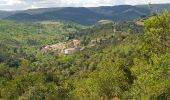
87	16
157	7
119	61
4	14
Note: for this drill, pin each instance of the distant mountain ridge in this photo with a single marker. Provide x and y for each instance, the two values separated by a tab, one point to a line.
4	14
158	8
85	16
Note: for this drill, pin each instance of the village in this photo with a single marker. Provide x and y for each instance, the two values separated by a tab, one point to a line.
71	47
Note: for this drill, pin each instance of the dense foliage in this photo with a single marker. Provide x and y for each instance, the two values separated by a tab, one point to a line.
126	61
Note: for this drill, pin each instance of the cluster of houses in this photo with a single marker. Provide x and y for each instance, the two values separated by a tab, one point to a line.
70	47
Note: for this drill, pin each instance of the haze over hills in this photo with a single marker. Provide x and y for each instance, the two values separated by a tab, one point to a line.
157	7
4	14
90	15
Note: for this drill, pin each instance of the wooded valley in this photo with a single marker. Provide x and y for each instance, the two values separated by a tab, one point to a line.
122	60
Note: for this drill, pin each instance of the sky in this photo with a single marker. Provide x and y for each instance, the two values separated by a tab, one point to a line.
31	4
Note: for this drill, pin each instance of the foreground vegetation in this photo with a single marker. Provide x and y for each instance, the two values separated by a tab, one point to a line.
128	63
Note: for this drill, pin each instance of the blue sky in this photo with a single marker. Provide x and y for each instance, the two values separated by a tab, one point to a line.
30	4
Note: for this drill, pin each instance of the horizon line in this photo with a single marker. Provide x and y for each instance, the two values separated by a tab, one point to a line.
11	10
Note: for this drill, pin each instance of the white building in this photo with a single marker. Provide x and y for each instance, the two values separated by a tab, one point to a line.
71	50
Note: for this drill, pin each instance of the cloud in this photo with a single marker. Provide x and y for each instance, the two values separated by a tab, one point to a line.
10	2
28	4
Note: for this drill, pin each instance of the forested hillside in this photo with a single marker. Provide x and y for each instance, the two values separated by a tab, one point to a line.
90	15
119	60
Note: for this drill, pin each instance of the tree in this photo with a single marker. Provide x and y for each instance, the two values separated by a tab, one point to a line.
106	83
